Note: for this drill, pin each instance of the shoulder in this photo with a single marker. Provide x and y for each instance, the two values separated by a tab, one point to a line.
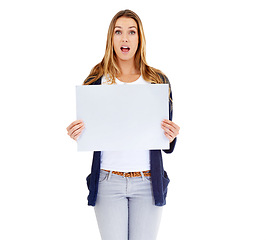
163	77
92	80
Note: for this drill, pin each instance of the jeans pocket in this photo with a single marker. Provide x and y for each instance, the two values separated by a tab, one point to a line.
147	178
103	176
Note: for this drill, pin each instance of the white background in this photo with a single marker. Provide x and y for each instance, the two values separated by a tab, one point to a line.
213	53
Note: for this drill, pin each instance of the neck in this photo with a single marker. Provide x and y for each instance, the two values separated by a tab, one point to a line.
127	67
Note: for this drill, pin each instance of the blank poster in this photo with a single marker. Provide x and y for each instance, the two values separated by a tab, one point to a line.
122	117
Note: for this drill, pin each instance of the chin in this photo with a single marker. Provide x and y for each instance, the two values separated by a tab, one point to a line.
125	58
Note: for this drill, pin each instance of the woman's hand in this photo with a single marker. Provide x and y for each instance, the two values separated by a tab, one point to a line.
171	130
75	129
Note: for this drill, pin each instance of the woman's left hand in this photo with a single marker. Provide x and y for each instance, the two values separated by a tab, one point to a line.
171	130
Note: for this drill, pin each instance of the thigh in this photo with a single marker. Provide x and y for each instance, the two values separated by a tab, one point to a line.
144	215
111	209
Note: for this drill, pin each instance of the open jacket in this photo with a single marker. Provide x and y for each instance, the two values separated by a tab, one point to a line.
159	177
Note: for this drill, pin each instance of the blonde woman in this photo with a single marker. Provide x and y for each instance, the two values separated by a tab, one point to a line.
127	188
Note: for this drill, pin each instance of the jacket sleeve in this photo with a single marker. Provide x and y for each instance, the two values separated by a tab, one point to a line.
172	144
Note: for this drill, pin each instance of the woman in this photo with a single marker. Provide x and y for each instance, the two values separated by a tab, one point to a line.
127	188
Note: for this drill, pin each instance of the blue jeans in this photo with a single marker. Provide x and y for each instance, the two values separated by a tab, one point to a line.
125	208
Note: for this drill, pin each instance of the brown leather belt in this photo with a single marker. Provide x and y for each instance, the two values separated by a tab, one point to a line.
131	174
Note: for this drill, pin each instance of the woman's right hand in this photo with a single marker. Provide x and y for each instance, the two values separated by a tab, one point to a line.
75	129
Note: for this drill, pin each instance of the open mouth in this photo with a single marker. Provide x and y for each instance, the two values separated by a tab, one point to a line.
125	49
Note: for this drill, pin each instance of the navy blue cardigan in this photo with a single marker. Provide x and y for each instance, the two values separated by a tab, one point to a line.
159	177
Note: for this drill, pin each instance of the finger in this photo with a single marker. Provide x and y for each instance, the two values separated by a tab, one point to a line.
77	133
75	128
73	124
76	137
168	131
169	136
74	133
170	123
168	126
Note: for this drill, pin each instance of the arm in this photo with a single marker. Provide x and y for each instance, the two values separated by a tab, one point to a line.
171	129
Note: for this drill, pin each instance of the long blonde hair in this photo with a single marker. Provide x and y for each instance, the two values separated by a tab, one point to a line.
109	66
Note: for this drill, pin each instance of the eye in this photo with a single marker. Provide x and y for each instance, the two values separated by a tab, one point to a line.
132	32
117	32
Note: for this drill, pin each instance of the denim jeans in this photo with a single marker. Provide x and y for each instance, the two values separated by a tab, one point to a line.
125	208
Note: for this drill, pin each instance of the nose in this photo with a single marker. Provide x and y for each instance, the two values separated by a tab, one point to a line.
124	38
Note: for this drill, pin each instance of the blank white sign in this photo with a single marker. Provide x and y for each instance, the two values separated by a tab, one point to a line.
122	117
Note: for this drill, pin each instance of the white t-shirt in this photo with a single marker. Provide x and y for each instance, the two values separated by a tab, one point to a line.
126	161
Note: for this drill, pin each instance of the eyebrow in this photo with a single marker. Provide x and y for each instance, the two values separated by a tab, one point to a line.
121	27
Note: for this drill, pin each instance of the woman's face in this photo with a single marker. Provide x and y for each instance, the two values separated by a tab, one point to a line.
125	38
